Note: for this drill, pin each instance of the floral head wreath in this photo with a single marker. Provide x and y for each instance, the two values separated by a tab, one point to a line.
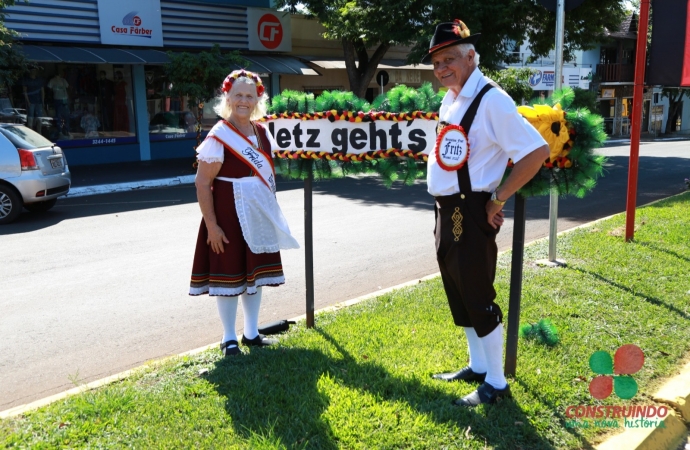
235	74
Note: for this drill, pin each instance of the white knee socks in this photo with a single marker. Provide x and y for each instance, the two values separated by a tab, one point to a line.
227	309
477	357
250	307
493	349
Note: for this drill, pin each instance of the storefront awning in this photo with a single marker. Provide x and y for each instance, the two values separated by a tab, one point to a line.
338	63
83	55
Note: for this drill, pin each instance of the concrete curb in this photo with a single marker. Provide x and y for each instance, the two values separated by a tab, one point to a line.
676	393
130	186
668	437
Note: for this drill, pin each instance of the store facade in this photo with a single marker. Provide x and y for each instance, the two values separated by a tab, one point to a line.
98	87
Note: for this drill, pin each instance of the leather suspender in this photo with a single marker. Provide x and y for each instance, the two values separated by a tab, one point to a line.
466	123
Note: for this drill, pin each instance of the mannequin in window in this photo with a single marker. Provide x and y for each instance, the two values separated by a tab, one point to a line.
121	116
35	97
59	86
106	94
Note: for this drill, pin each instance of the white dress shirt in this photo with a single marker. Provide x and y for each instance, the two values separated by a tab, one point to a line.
498	133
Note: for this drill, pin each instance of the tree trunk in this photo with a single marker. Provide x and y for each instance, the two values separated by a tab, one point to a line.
360	68
673	106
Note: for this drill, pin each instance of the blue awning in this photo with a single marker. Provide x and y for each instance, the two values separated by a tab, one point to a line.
97	55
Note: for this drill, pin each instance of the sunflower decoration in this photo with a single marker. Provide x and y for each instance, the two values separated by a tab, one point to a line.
551	124
460	29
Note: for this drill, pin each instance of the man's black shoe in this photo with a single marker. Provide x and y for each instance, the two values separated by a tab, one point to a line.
259	341
464	374
484	394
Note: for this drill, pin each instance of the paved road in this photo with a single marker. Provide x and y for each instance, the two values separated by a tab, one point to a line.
98	285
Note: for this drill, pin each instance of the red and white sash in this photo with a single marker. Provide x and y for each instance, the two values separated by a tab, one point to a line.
240	146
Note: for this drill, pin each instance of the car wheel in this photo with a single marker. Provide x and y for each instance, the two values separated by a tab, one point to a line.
40	206
10	204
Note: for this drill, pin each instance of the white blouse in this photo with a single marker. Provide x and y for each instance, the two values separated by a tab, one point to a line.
211	150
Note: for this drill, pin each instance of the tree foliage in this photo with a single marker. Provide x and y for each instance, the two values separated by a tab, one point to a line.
515	81
368	28
199	75
13	64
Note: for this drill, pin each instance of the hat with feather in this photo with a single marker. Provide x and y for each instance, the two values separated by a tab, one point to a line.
450	33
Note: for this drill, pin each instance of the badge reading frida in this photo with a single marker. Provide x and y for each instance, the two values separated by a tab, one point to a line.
452	148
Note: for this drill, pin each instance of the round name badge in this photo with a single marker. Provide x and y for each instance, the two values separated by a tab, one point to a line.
452	148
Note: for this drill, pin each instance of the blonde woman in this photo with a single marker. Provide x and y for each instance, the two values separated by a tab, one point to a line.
243	228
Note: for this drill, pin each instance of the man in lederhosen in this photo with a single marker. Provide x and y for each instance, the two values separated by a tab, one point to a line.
480	130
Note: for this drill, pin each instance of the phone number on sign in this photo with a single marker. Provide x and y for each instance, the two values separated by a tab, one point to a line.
103	141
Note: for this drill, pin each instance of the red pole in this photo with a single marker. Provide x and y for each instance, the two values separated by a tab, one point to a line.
640	62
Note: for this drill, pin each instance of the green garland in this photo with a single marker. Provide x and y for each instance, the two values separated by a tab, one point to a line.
543	332
576	180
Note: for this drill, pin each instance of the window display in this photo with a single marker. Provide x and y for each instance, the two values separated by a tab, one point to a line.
77	104
172	117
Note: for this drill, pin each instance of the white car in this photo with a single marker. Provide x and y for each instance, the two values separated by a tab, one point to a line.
13	115
33	172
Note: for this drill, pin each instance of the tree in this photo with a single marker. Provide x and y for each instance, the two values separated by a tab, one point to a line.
368	28
199	76
675	101
13	64
514	81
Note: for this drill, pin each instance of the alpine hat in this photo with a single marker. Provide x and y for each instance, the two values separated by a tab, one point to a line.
450	33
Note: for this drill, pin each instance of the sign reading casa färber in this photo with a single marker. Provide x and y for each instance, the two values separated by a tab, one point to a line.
131	22
269	30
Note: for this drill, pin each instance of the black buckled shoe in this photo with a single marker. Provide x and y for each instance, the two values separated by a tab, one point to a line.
484	394
259	341
227	350
464	374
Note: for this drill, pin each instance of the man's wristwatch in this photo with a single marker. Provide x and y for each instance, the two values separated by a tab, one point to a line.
496	200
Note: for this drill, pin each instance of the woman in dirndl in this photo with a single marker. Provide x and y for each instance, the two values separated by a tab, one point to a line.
243	228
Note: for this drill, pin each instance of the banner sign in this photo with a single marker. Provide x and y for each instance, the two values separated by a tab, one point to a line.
669	52
414	134
269	30
131	22
544	78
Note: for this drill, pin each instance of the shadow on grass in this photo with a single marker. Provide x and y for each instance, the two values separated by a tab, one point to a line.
584	443
279	396
647	298
662	250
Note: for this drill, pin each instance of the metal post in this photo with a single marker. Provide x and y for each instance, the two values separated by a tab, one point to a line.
553	204
515	285
309	244
640	58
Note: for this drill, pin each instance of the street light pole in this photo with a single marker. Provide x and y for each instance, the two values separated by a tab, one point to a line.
553	204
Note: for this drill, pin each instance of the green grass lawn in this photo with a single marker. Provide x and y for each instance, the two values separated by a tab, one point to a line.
361	378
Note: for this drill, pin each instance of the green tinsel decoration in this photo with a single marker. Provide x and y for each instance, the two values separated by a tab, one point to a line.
543	331
576	180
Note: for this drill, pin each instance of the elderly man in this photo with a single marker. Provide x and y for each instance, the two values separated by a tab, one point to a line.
480	130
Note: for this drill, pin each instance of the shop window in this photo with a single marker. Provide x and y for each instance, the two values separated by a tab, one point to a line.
172	117
78	104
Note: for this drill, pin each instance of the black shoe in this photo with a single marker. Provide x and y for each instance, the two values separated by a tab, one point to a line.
464	374
227	350
259	341
484	394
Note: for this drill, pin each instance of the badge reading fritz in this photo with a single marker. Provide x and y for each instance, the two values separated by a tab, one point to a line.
452	148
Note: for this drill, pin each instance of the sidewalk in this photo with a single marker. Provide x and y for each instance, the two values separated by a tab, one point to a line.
107	178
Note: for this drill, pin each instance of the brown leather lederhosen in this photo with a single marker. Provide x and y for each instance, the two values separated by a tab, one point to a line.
466	248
